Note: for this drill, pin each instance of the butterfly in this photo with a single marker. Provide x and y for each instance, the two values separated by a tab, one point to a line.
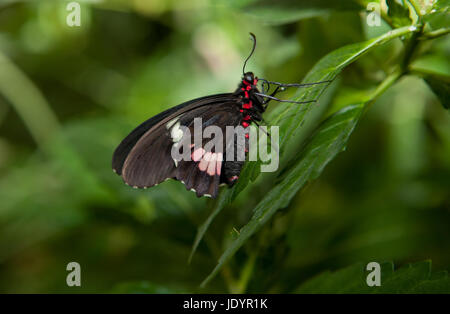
144	158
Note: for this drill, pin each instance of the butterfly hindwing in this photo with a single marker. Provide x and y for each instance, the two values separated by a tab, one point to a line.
150	162
203	172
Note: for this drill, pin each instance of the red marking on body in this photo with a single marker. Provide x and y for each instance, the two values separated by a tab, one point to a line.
245	124
249	87
233	178
241	110
247	117
246	135
245	82
247	106
255	81
246	94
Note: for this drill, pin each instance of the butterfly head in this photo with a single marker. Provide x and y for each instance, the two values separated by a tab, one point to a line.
249	78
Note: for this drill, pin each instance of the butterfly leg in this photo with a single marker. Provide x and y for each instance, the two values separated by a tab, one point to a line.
271	95
292	84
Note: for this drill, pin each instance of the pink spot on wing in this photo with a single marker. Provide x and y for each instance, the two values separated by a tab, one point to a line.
218	167
212	165
208	156
203	165
197	154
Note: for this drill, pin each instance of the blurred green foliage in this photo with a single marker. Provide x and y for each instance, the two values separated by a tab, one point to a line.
68	95
412	278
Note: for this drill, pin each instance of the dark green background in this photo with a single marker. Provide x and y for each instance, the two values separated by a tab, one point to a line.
72	93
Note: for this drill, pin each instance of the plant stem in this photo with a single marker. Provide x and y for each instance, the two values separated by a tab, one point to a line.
385	84
411	47
435	34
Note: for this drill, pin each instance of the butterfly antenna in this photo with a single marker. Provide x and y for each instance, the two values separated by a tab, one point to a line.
251	53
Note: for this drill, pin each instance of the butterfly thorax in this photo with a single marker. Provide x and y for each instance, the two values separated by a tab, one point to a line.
251	106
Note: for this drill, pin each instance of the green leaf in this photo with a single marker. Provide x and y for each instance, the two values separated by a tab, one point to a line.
344	280
398	13
438	15
441	88
293	115
433	64
328	141
412	278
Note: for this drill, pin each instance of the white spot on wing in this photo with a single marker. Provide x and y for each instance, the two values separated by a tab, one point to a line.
171	122
176	133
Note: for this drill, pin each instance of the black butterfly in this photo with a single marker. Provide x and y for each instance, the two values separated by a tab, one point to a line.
144	159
